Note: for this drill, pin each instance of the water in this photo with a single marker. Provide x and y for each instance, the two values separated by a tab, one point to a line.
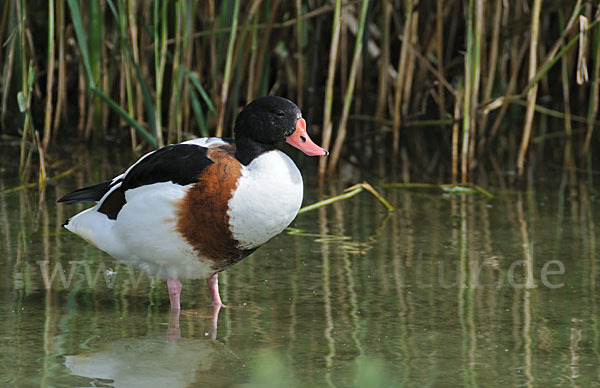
446	291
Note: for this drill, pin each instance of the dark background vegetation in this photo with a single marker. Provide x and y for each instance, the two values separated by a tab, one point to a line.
454	89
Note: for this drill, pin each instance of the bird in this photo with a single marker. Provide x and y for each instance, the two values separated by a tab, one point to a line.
193	209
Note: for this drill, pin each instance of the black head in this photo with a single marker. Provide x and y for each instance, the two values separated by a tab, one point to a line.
267	121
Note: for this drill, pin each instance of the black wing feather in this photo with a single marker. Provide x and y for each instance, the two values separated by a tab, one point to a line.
177	163
87	194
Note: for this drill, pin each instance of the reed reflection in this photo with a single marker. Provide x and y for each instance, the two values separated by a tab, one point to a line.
448	290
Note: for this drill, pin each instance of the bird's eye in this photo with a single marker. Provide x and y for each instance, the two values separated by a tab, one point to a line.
280	113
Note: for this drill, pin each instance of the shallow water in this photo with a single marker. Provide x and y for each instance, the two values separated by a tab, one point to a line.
446	291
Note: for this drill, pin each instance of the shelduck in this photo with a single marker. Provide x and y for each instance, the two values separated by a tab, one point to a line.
191	210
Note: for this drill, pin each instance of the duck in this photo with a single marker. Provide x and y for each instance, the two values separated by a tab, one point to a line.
193	209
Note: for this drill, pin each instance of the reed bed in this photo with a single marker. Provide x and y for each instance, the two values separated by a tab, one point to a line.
454	86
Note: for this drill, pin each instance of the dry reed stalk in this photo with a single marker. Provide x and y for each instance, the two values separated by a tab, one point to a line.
466	122
253	55
177	86
492	64
478	39
61	87
188	52
333	52
343	55
309	15
532	94
146	47
81	102
49	77
90	117
227	74
342	130
399	85
554	54
86	79
265	39
240	57
160	62
566	91
132	12
95	37
7	78
384	62
121	88
510	88
410	65
105	74
42	159
594	91
212	14
439	50
300	59
458	99
3	23
582	71
127	99
127	86
418	41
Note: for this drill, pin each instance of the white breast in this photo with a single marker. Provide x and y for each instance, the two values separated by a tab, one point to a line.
266	201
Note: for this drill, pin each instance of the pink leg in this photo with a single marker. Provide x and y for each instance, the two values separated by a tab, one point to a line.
213	289
174	286
173	332
214	321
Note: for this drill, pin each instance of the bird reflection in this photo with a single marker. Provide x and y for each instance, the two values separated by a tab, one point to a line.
161	361
173	331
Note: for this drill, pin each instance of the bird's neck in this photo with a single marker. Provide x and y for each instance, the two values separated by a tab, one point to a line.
248	149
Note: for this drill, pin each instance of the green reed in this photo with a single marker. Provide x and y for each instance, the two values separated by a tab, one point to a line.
227	73
331	69
160	72
358	47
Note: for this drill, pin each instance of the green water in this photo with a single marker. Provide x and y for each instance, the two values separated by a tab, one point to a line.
446	291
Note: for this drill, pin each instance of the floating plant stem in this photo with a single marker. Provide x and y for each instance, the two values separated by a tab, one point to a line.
34	184
349	193
453	188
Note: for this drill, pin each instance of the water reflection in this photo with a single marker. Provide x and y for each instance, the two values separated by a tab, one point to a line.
156	361
448	290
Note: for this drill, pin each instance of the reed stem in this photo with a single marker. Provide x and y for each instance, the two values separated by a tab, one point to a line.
160	71
342	130
160	61
594	89
299	50
532	94
402	63
468	97
49	77
333	52
227	74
